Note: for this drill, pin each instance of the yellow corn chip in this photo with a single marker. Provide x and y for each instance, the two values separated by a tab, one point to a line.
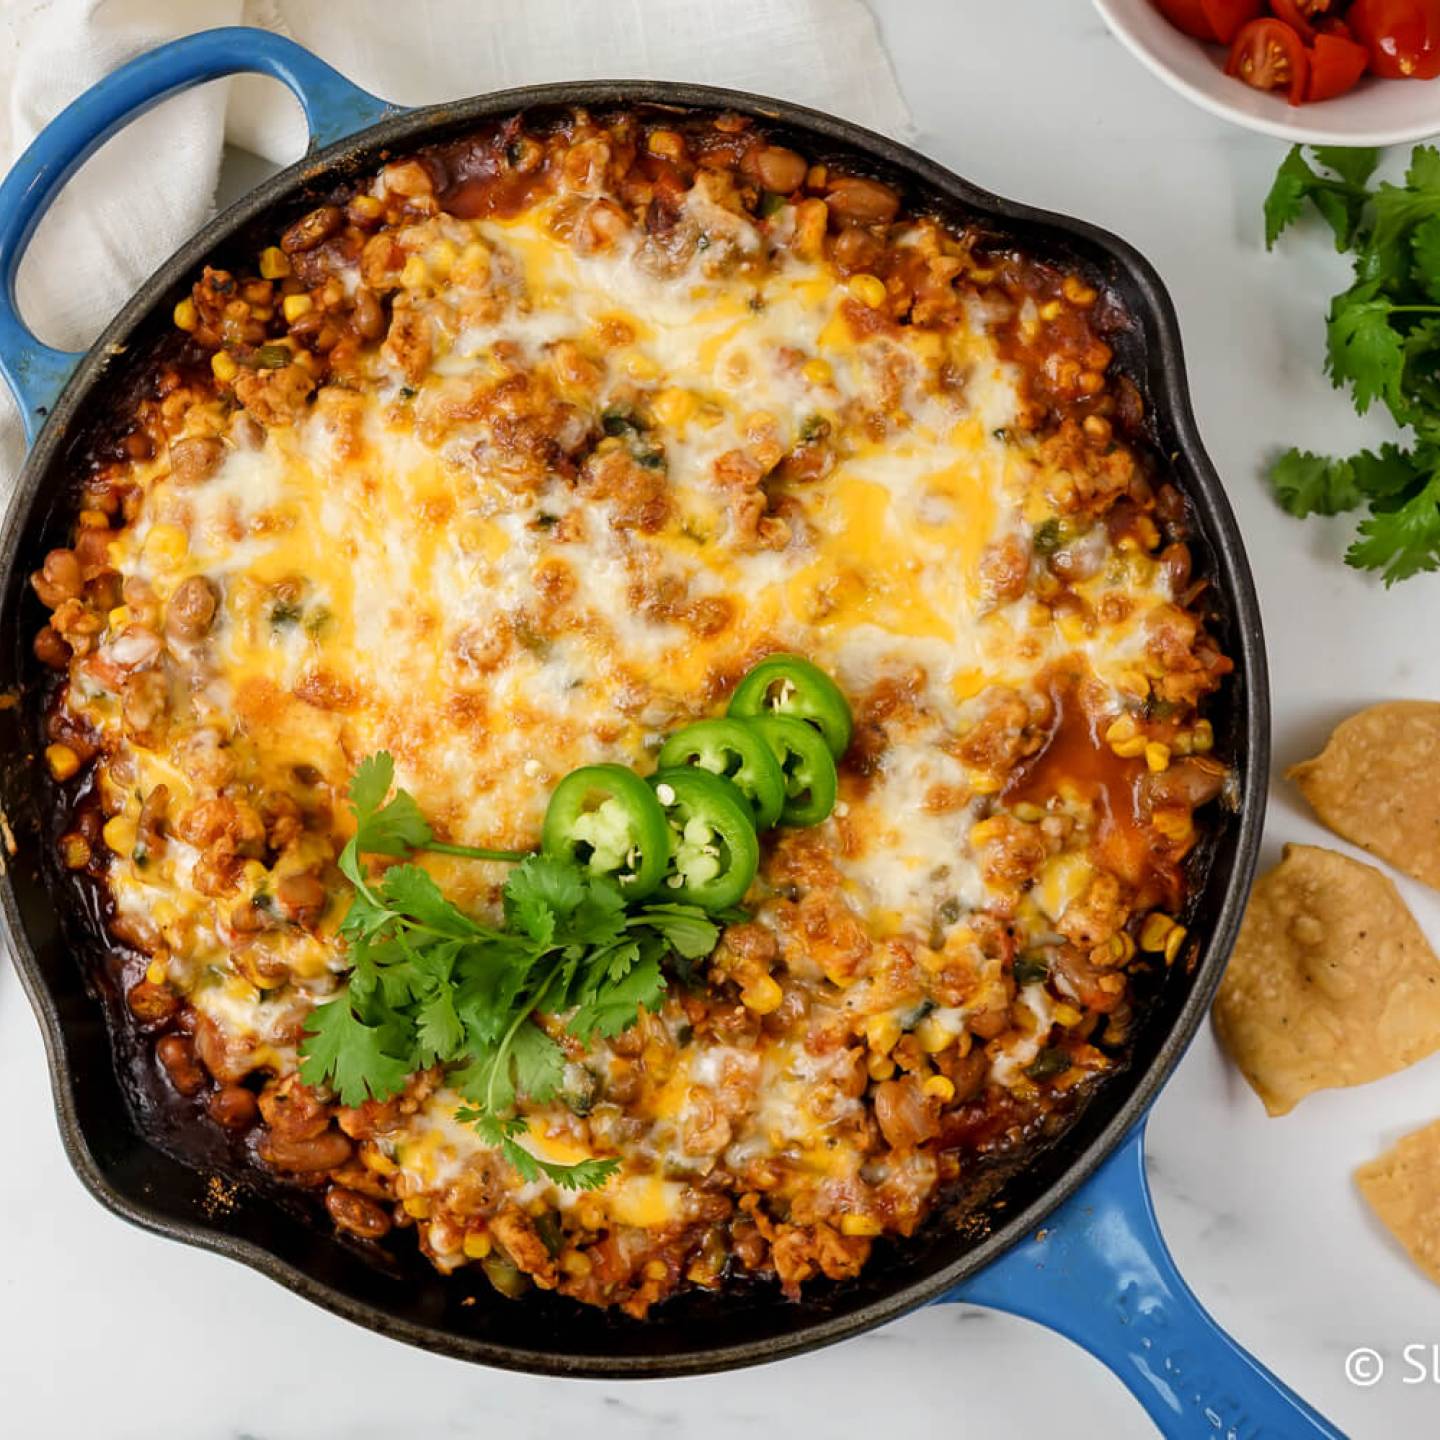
1402	1187
1331	982
1375	784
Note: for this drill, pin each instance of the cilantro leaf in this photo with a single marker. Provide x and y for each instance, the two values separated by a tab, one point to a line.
1365	351
339	1049
539	1063
1424	171
611	1010
1307	484
1386	472
586	1175
540	892
1354	164
686	928
1425	251
1402	537
413	893
371	783
438	1029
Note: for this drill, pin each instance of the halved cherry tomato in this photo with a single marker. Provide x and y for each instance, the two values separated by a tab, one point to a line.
1402	36
1334	25
1187	15
1300	15
1269	55
1228	17
1210	19
1336	66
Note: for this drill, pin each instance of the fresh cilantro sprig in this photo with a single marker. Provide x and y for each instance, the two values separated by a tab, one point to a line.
496	1005
1383	342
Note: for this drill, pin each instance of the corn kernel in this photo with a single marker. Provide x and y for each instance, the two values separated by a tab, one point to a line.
441	259
1155	931
673	408
1121	729
881	1033
640	367
987	784
1077	292
854	1224
1050	310
762	996
941	1088
656	1270
1157	756
881	1067
415	274
1030	813
817	372
186	317
1129	749
295	306
1148	531
985	831
1068	1015
75	851
223	367
120	836
576	1262
155	972
165	545
477	1245
417	1206
368	207
868	290
932	1035
1173	941
1203	737
62	760
274	263
119	617
378	1161
1173	822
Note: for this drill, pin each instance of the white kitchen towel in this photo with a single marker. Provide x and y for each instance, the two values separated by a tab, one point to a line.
154	184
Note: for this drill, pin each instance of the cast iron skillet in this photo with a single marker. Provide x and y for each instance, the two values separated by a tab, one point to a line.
1100	1272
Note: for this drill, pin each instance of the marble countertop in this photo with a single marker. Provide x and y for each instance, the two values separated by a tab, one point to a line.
109	1332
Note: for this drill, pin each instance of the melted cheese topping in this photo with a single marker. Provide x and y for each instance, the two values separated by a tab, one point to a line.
414	566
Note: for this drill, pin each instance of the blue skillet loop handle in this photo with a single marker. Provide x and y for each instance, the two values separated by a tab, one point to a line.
334	108
1102	1276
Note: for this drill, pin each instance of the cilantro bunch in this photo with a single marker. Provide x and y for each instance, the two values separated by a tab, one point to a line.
431	984
1383	341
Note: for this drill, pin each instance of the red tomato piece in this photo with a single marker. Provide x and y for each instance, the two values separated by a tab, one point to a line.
1300	15
1336	66
1228	17
1269	55
1402	36
1187	15
1334	25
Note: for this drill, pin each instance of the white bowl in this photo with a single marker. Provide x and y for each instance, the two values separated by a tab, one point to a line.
1376	112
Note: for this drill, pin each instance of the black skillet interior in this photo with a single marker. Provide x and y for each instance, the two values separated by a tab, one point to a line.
138	1159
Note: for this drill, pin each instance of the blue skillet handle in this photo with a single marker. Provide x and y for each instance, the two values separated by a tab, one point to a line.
334	108
1102	1276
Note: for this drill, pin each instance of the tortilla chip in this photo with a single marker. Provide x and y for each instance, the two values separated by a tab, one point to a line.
1375	784
1331	982
1402	1187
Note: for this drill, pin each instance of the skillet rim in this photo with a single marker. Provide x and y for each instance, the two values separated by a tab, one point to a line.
1169	394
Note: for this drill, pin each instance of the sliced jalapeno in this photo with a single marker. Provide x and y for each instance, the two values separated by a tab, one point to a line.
736	750
788	685
806	764
714	849
608	819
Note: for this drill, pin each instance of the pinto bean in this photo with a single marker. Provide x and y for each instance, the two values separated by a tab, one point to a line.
293	1111
58	579
905	1119
302	898
151	1003
1192	782
191	610
309	230
776	168
325	1151
144	703
51	648
866	202
177	1054
195	460
369	315
356	1214
233	1107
